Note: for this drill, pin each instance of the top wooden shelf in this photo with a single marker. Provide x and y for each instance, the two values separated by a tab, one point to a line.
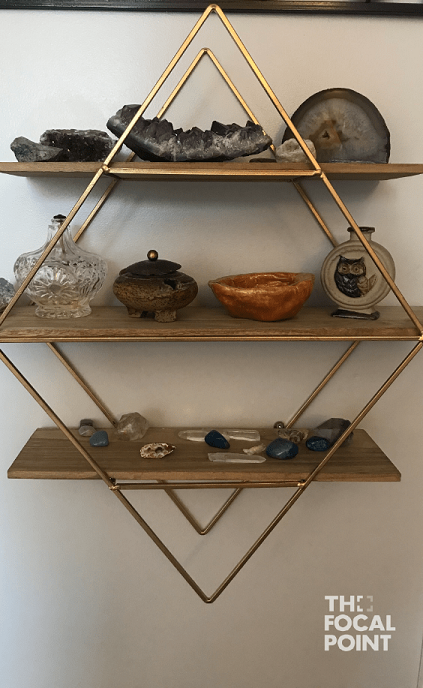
200	171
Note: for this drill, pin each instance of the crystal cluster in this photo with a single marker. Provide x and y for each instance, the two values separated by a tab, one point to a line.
64	145
157	140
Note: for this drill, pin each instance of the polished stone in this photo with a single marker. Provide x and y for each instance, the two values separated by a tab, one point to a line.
315	443
99	439
216	439
281	449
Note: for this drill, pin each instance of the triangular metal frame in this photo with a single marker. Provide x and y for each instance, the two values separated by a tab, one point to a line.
105	170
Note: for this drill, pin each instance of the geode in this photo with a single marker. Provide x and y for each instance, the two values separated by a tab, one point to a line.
156	140
78	145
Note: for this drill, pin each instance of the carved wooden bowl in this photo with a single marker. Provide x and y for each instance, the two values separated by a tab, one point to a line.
265	296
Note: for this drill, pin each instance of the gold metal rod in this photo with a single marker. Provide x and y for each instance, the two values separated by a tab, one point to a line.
324	382
65	362
315	214
344	210
51	245
211	485
99	204
55	418
162	547
265	85
189	516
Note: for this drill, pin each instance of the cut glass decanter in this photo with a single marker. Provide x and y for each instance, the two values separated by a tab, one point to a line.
68	279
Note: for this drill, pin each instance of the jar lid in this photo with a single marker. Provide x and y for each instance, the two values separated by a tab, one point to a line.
151	267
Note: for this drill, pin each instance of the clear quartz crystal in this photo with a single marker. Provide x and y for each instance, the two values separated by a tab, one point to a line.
68	279
221	457
198	434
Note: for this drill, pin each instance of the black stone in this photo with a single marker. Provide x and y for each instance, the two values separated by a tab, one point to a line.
215	439
156	140
78	145
29	151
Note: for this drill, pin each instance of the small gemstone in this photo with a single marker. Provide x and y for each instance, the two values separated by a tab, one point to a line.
317	443
216	439
86	430
281	449
99	439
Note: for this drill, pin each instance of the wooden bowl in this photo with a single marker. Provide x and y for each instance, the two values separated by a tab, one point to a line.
265	296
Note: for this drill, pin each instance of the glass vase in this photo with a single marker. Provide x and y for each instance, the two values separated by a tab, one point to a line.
68	279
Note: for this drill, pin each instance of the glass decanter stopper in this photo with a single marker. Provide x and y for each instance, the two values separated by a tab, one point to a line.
68	279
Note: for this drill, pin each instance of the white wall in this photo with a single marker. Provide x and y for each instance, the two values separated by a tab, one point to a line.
87	599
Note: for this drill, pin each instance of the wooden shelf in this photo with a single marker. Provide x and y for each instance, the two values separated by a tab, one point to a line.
50	455
109	324
200	171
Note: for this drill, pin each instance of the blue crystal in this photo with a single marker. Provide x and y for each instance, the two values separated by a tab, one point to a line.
316	443
216	439
282	449
99	439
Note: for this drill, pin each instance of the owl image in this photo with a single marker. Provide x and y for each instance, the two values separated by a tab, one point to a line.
350	277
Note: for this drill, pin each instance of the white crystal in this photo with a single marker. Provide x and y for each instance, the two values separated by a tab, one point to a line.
198	434
291	151
221	457
132	426
257	449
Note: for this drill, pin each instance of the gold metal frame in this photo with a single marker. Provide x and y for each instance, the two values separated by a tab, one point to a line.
118	488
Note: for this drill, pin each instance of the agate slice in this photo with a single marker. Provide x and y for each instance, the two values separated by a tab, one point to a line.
344	126
156	140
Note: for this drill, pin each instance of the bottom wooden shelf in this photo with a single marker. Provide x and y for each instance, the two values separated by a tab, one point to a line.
48	454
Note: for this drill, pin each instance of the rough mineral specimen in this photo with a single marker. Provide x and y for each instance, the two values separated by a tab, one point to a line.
77	145
257	449
156	450
132	426
64	145
157	140
332	429
7	292
29	151
293	434
86	427
221	457
291	151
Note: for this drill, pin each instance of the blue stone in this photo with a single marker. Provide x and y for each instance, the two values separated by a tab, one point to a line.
99	439
316	443
282	449
216	439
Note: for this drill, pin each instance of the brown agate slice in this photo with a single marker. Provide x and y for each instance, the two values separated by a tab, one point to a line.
344	126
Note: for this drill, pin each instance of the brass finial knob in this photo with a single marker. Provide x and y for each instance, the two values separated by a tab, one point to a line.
152	255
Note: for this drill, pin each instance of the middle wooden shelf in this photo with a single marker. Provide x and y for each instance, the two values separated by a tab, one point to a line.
109	324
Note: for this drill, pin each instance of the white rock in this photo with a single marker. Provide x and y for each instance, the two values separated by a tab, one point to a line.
291	151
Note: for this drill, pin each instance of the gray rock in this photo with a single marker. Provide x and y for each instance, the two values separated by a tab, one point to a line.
7	291
332	429
90	145
157	140
29	151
